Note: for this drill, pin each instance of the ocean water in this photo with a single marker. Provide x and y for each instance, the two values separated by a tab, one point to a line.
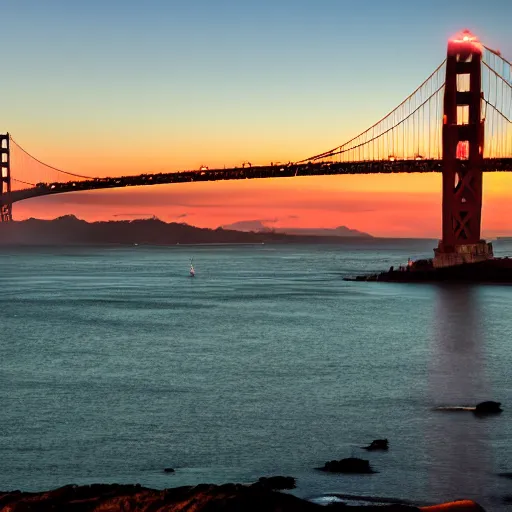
114	364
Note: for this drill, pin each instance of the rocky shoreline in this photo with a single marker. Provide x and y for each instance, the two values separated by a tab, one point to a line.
497	270
258	497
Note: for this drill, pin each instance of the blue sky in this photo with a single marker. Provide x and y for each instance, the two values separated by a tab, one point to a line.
267	74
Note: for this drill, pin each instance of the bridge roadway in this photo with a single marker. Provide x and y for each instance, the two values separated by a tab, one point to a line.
275	171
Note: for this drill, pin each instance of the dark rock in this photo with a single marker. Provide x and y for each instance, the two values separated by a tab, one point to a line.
459	506
119	498
168	470
276	483
505	475
350	465
378	444
488	407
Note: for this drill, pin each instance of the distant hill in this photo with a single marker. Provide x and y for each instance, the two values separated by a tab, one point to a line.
69	230
260	227
248	225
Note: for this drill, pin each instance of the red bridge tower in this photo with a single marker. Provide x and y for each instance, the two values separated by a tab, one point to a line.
463	145
5	178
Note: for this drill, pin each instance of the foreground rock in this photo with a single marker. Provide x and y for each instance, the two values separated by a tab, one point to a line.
121	498
202	498
455	506
350	465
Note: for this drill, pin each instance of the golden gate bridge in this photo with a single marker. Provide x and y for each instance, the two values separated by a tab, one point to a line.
458	122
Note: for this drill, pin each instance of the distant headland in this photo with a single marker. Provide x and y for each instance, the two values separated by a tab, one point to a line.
71	230
260	226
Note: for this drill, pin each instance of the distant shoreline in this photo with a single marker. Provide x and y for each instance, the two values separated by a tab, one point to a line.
69	230
319	241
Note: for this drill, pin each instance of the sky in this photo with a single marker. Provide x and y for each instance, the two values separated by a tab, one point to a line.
108	87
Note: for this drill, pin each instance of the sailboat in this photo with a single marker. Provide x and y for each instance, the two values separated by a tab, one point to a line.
192	271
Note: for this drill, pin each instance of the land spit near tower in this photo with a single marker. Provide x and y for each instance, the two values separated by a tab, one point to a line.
493	270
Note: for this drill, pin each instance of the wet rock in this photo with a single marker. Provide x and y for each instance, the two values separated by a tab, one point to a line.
168	470
488	407
377	444
276	483
455	506
349	465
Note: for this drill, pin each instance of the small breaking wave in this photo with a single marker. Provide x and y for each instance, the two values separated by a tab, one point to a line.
355	500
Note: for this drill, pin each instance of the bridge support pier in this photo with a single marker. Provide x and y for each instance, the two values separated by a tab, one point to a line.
463	144
5	179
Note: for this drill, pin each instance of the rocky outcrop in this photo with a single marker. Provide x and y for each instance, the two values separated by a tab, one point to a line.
377	444
275	483
350	465
488	407
201	498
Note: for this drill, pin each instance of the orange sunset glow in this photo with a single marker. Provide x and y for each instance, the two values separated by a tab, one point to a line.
407	205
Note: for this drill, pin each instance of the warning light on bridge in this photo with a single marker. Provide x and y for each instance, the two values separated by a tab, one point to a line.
465	37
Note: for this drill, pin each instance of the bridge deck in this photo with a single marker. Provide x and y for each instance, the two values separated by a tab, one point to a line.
286	171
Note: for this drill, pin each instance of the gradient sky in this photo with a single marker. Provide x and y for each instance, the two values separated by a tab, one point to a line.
110	88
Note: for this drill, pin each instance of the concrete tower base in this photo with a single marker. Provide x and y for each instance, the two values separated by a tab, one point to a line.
461	254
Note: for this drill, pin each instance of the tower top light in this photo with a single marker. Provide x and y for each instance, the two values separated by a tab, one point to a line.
465	37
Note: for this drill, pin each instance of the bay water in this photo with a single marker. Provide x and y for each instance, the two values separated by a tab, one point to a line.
115	364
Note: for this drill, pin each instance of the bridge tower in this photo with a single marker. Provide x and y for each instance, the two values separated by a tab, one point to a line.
463	143
5	178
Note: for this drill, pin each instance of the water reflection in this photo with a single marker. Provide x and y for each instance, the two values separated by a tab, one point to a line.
458	449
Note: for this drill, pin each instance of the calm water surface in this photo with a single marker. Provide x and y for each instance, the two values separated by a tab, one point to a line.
114	364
